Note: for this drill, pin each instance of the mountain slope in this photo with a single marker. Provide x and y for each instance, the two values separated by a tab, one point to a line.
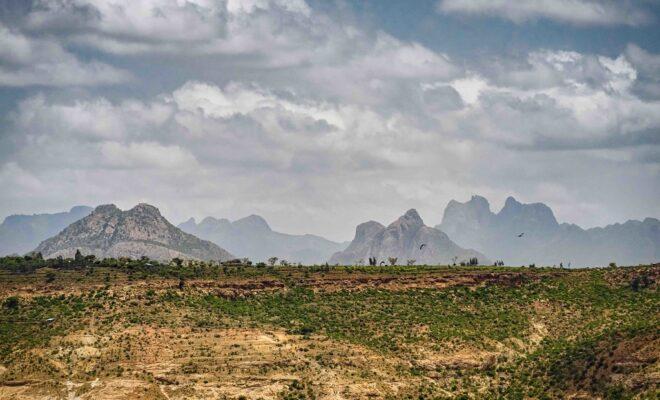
20	234
140	231
402	239
545	241
253	238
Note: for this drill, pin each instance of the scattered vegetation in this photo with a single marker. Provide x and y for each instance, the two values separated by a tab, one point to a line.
399	331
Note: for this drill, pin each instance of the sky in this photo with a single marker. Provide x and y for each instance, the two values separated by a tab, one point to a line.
321	114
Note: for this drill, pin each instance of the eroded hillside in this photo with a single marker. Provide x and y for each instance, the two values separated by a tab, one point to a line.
139	330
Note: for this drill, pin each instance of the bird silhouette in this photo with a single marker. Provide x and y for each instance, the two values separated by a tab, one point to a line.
422	246
521	235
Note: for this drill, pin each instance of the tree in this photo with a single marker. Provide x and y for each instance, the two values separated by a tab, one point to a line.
272	261
284	263
411	262
78	257
392	260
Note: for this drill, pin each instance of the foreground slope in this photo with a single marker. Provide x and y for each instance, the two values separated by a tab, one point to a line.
140	231
129	329
545	241
253	238
402	239
22	233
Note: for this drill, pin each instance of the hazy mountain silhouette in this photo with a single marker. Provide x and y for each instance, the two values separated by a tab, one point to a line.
20	234
140	231
545	241
402	239
253	238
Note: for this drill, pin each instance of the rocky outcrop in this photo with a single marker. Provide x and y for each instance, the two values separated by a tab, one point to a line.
545	241
253	238
140	231
402	239
20	234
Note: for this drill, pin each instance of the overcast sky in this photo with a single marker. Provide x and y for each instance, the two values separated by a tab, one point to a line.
323	114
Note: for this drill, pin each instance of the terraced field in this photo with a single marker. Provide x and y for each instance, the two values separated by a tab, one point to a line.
141	330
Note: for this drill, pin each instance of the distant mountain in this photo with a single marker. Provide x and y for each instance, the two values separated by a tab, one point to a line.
402	239
253	238
140	231
20	234
545	241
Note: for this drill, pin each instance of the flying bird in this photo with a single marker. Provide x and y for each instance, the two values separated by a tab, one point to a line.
422	246
521	235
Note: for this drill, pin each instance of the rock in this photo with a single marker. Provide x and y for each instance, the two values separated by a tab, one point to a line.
140	231
545	241
402	239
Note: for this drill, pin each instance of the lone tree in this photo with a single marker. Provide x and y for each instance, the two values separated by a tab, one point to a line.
411	261
78	257
392	260
272	261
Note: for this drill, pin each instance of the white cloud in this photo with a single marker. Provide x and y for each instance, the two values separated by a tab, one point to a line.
272	107
578	12
146	155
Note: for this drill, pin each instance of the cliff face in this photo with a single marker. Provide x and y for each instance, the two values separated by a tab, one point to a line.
545	241
140	231
402	239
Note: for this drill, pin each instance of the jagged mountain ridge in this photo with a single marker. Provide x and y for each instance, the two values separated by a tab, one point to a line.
20	234
546	241
140	231
253	238
402	239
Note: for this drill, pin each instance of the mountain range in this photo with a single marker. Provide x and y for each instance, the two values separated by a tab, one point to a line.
253	238
20	234
544	240
108	231
403	239
140	231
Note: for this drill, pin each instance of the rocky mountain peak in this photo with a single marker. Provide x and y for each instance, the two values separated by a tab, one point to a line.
140	231
402	239
410	219
252	222
472	214
529	216
106	209
479	203
367	230
145	209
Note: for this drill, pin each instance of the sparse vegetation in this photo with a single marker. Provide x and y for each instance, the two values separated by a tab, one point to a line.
398	332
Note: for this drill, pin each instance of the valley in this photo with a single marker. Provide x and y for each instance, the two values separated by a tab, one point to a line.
143	329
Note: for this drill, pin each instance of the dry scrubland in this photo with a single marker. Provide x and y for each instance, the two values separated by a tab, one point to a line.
136	330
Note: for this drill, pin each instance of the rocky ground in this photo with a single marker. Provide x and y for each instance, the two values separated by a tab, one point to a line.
330	333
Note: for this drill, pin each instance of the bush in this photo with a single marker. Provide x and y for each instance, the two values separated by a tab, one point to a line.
11	303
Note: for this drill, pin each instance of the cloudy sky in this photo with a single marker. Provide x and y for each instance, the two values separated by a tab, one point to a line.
322	114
